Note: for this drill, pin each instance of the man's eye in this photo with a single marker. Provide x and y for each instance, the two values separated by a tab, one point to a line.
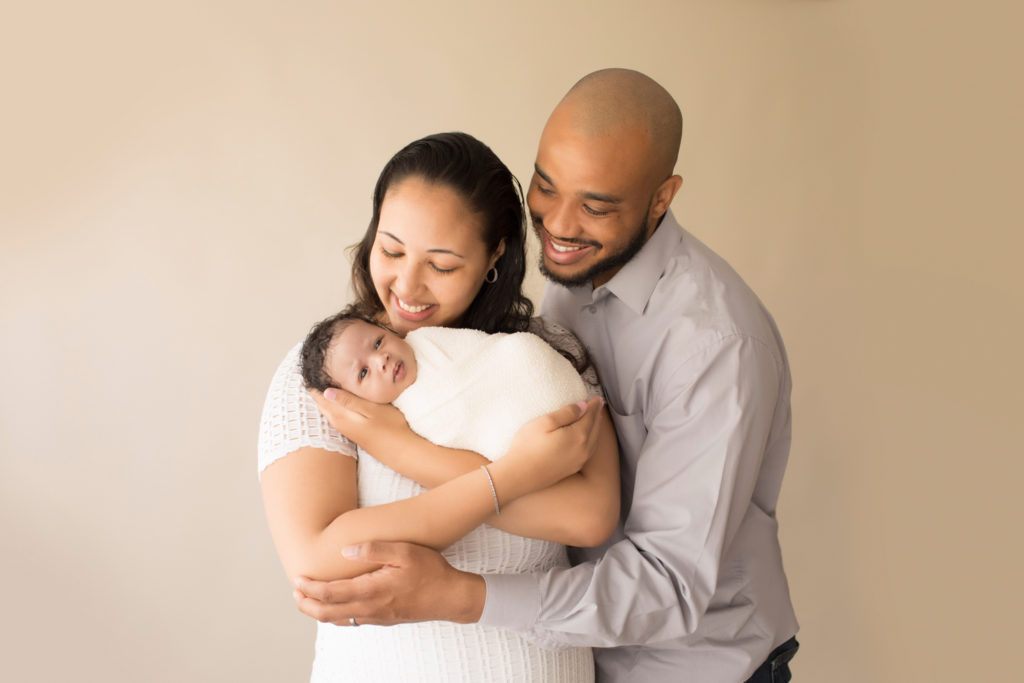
362	373
593	211
545	190
380	340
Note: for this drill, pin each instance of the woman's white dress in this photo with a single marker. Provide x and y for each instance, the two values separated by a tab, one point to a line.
435	650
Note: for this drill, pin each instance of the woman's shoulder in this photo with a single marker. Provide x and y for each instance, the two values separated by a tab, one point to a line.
566	343
290	418
557	336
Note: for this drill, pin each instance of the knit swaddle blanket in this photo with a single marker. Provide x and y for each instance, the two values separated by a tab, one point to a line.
474	390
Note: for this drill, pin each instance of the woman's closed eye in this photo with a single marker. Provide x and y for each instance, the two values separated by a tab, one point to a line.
439	269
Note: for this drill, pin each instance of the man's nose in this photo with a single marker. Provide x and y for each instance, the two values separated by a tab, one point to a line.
559	220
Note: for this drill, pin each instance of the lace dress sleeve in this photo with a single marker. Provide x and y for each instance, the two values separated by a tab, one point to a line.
291	419
566	343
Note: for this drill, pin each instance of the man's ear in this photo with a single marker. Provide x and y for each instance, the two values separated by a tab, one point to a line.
663	197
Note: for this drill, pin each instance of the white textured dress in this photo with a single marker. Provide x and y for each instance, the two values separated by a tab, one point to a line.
436	650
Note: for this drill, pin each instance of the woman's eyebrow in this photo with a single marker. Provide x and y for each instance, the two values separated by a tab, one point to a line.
429	251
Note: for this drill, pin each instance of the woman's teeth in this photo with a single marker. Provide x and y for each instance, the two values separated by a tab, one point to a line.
411	309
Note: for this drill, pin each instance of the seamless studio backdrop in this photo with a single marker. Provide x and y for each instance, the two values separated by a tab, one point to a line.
179	181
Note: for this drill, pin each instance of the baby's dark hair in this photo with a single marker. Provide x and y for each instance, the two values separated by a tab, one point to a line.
314	348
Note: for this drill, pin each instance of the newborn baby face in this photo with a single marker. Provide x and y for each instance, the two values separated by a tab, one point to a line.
371	362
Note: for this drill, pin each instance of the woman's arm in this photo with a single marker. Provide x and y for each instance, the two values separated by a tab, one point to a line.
310	496
580	510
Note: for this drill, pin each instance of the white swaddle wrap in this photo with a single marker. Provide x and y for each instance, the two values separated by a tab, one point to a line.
474	390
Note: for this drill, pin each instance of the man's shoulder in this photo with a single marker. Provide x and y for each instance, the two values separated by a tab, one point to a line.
700	294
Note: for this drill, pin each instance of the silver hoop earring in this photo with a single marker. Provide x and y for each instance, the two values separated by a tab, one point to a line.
492	275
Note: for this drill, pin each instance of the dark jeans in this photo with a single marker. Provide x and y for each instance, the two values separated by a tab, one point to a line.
776	668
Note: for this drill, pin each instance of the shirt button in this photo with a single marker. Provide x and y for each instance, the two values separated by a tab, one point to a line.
591	309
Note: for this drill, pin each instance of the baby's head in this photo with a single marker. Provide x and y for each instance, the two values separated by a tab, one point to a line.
349	352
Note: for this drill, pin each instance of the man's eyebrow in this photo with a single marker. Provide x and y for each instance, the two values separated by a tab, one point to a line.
596	196
429	251
543	175
604	198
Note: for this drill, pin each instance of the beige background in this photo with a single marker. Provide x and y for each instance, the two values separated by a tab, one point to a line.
178	181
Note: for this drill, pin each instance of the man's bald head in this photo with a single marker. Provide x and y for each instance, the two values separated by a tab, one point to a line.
613	102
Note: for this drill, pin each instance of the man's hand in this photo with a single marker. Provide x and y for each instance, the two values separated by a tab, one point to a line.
378	428
413	583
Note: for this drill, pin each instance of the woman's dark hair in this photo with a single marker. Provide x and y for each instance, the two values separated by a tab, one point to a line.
313	355
469	167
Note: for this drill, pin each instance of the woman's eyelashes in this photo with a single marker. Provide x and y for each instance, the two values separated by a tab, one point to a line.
436	268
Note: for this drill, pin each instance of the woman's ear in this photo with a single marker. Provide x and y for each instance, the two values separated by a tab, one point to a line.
497	253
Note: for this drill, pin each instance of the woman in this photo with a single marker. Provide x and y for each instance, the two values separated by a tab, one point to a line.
445	246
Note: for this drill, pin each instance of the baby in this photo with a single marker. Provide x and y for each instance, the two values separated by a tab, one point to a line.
348	352
458	388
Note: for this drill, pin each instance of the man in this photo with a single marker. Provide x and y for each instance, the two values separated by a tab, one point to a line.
691	586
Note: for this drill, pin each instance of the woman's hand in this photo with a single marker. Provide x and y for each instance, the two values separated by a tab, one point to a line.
548	449
380	428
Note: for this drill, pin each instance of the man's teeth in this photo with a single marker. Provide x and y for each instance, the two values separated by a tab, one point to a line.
560	248
411	309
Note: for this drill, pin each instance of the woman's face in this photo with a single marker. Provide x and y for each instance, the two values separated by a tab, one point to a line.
428	259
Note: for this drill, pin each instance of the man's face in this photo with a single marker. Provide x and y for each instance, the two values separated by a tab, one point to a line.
371	362
590	200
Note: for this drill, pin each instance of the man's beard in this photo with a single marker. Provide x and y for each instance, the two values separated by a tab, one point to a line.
616	260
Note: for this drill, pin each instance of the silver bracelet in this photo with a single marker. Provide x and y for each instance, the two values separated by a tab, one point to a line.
497	508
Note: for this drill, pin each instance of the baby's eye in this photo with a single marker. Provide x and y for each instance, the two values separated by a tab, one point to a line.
380	340
362	373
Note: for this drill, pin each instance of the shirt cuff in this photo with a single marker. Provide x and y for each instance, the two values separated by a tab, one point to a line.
512	601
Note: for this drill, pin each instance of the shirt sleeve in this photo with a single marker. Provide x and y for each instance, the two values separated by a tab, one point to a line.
706	425
291	419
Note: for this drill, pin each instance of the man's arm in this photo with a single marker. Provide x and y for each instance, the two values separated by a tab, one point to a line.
706	432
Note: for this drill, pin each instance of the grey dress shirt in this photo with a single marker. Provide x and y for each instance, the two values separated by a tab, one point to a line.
691	585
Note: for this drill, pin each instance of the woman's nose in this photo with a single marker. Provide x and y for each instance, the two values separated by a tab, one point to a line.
409	280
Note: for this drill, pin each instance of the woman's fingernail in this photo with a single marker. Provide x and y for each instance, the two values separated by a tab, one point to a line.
582	405
350	551
330	394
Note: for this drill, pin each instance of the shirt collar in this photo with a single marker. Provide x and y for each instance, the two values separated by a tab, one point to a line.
636	280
